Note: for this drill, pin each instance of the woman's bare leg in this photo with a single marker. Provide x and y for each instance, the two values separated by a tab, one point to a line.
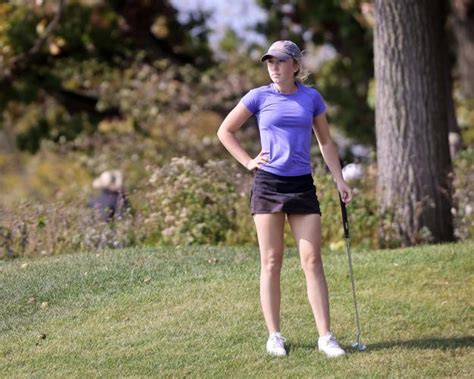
307	232
270	240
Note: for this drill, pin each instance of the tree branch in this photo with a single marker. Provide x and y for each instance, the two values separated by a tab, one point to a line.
49	30
21	61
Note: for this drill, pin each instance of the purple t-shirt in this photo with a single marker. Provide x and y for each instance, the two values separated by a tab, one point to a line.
285	122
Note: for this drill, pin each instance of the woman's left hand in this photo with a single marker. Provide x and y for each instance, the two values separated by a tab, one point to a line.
345	191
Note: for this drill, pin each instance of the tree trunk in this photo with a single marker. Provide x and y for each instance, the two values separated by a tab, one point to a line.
463	25
414	165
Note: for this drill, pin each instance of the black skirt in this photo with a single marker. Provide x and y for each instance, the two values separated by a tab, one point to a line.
288	194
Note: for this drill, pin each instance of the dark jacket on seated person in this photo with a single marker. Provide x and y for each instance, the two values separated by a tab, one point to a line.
112	200
111	204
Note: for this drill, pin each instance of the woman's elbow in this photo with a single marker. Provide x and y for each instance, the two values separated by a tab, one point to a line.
222	133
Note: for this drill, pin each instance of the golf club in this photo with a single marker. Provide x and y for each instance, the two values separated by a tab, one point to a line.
345	222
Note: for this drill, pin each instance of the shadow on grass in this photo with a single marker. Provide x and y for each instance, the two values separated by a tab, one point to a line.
428	343
291	347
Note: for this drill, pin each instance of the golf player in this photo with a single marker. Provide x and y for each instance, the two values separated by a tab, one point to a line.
287	113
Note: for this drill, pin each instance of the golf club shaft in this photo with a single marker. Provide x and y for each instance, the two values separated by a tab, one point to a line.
348	247
345	222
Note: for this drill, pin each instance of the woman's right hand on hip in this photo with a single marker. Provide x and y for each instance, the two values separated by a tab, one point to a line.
262	158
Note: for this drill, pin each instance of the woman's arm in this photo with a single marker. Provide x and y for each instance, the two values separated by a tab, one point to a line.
226	134
329	152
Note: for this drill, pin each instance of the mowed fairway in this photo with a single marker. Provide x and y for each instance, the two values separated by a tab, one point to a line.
194	312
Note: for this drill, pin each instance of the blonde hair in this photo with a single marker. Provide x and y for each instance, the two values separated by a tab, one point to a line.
302	74
111	180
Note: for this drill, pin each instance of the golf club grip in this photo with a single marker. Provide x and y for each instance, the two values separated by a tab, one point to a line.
345	221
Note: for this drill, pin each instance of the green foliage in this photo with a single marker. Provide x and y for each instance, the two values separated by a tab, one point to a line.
362	211
192	204
87	30
34	123
180	202
83	29
348	98
35	105
463	210
20	31
34	229
464	115
48	176
95	67
99	95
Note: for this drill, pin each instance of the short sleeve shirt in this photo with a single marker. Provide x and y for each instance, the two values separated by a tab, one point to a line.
285	122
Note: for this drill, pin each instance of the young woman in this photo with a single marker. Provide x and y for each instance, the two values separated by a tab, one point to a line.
287	112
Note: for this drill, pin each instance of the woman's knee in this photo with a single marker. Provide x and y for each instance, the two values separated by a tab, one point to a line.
311	261
271	261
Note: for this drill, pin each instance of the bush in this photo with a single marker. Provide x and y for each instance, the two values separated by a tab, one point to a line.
185	203
192	204
362	211
463	209
33	229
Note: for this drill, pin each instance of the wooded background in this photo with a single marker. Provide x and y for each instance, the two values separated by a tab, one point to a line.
92	85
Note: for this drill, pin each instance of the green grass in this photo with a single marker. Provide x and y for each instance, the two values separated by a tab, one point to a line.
195	312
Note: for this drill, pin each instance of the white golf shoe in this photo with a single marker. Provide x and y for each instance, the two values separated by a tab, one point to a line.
276	345
328	345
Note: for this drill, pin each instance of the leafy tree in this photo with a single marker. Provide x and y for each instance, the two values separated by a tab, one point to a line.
66	65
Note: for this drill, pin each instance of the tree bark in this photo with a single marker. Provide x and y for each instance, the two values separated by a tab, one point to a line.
414	164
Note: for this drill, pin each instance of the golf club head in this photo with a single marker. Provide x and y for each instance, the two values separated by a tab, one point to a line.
359	346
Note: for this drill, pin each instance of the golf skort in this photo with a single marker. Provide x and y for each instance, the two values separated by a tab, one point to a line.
273	193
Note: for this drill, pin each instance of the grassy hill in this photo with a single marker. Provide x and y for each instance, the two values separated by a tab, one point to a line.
195	312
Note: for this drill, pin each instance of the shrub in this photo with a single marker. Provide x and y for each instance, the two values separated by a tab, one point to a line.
463	183
191	204
33	229
185	202
362	211
363	216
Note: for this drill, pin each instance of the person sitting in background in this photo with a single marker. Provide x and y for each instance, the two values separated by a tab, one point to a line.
112	200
